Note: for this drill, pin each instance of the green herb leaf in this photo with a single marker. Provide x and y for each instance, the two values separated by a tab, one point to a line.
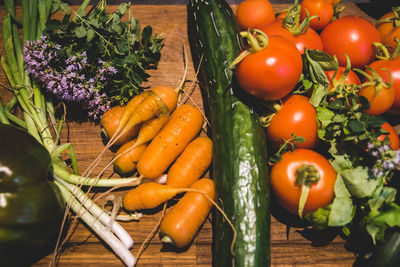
80	32
342	208
359	182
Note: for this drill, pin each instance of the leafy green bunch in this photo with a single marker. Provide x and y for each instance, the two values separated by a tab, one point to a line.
108	39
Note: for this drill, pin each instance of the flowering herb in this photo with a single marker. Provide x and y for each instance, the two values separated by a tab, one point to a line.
94	59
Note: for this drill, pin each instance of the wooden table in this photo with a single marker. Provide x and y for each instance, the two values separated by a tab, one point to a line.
289	246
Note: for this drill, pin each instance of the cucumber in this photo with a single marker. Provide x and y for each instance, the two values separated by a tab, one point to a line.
240	156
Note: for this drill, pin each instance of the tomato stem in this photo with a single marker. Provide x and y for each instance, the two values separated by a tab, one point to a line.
381	52
257	40
306	176
395	20
396	51
375	79
273	108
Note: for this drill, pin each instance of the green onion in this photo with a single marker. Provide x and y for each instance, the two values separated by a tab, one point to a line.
37	109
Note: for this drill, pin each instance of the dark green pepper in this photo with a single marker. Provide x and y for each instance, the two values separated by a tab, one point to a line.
31	205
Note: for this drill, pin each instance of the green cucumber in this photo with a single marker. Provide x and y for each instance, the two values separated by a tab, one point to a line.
240	158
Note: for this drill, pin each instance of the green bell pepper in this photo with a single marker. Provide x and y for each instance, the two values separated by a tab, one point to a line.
31	205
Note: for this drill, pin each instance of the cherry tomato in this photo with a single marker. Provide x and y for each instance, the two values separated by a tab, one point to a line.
393	66
351	35
351	77
254	13
296	116
321	8
287	191
272	72
393	136
388	31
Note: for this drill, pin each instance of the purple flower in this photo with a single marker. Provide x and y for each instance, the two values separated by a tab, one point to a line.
70	79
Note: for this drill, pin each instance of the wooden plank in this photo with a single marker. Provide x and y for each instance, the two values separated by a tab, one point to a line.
289	245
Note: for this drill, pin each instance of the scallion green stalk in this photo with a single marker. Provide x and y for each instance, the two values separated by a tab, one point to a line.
37	109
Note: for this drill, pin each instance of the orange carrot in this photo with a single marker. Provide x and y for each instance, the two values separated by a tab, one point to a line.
125	162
181	128
160	99
130	108
150	107
148	195
109	124
147	131
191	164
184	219
141	108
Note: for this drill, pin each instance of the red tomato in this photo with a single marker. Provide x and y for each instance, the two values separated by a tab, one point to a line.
296	116
393	136
351	77
388	31
321	8
287	191
273	72
310	39
380	100
393	65
254	13
351	35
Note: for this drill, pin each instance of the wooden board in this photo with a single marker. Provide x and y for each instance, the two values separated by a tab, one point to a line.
290	246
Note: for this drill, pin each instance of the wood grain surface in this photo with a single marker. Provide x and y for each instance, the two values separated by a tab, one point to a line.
290	244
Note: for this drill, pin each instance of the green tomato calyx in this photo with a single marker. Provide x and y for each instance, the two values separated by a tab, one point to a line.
306	176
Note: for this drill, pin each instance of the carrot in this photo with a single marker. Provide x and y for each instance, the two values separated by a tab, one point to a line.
148	196
109	124
181	128
160	99
184	219
130	108
191	164
147	131
150	107
143	107
125	162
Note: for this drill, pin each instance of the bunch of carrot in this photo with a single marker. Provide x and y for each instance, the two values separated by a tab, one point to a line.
178	151
158	136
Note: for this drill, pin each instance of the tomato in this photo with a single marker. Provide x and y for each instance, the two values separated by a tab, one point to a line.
287	191
393	66
254	13
351	77
388	31
276	28
351	35
321	8
393	136
380	100
297	116
272	72
309	39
